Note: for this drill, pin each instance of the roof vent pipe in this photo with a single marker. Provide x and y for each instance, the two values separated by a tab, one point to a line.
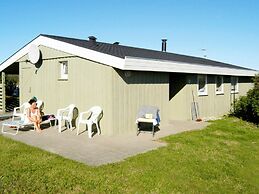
92	39
117	43
164	45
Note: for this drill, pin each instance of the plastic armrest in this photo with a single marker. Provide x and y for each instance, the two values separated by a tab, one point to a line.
60	111
15	109
82	114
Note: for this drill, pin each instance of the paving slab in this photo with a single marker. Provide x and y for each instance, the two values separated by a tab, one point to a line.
101	149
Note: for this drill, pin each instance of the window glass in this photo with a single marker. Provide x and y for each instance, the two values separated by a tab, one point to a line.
202	85
234	84
219	84
64	70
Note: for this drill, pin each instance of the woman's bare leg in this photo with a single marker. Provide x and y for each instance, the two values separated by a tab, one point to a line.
39	121
39	126
36	123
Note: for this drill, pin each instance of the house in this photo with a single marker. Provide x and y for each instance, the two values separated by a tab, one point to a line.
120	79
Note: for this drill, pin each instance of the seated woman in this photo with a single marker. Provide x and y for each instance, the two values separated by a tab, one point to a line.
33	115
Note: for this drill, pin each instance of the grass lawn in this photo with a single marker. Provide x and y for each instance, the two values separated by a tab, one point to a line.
223	158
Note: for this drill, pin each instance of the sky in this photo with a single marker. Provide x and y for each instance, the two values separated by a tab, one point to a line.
223	30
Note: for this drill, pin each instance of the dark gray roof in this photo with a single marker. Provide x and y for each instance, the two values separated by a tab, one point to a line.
122	51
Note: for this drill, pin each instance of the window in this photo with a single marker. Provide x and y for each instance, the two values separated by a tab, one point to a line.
202	85
63	70
234	84
219	85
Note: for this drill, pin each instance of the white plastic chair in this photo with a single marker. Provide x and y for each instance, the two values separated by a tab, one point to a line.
94	118
20	111
65	114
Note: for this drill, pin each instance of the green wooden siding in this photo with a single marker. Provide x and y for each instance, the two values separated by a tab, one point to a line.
88	84
119	93
129	93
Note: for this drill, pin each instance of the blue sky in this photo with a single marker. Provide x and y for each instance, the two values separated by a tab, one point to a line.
227	29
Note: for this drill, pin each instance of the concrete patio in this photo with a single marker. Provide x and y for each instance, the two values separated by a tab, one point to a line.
100	149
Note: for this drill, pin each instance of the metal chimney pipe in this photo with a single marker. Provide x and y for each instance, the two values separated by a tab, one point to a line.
164	45
92	39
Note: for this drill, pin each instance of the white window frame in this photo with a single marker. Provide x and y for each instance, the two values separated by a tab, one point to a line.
222	84
63	72
236	88
205	92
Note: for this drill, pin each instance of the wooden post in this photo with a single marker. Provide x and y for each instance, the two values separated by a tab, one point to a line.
3	91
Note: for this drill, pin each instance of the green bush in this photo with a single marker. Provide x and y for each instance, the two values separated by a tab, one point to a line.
247	107
256	82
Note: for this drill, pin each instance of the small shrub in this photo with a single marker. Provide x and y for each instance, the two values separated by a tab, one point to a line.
247	107
256	82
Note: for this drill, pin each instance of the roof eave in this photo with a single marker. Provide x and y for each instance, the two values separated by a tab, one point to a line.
143	64
129	63
68	48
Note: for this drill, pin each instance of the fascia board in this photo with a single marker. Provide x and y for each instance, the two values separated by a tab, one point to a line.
66	47
142	64
20	53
